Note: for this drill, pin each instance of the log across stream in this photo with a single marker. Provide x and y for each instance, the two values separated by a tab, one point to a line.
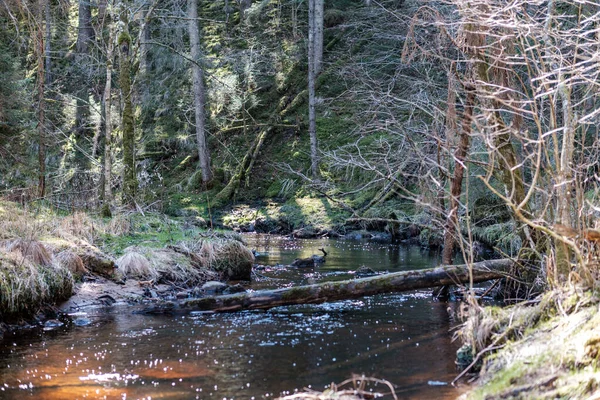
350	289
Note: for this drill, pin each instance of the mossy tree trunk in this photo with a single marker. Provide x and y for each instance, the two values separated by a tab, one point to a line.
129	175
107	189
199	90
41	99
83	130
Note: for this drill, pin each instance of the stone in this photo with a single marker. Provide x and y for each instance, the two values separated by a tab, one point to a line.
234	289
364	272
214	287
82	321
53	323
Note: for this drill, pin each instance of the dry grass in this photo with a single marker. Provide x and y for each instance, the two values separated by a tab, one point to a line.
177	267
135	265
71	261
33	250
228	257
119	225
231	253
17	223
168	265
82	226
490	327
26	286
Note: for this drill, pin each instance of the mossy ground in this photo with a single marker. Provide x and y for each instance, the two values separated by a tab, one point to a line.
318	214
549	350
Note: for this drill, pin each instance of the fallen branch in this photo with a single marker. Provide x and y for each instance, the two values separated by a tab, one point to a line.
351	289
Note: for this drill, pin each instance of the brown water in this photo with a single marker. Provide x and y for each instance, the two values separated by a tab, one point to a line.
404	338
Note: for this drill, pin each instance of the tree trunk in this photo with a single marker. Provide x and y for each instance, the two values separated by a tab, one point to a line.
41	101
312	122
351	289
107	193
244	6
295	7
318	36
47	49
565	175
85	36
129	176
85	31
243	169
199	93
451	231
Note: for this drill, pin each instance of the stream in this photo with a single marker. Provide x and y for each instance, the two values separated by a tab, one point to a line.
403	338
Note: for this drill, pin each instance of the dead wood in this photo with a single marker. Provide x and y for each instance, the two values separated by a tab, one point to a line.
350	289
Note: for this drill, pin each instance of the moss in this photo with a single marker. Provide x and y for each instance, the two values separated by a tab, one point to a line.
124	37
294	294
205	303
105	211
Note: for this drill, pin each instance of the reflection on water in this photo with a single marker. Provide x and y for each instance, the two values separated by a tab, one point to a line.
403	338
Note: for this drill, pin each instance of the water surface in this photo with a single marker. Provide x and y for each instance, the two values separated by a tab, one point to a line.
403	338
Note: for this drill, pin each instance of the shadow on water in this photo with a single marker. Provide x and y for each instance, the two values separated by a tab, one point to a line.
404	338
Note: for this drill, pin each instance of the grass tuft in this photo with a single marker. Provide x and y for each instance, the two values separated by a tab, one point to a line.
26	286
70	261
33	250
135	265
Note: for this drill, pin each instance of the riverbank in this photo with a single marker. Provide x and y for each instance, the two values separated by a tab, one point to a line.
546	348
47	258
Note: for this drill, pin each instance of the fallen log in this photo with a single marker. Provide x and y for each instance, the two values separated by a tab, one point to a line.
350	289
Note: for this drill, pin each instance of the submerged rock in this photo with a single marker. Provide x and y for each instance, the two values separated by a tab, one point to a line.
214	287
364	272
464	356
305	233
303	262
381	237
82	321
53	323
234	289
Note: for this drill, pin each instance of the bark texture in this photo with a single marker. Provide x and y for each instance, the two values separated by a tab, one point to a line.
41	101
199	92
129	175
108	117
318	37
451	231
312	121
350	289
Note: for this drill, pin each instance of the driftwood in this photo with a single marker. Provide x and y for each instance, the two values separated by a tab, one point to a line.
350	289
